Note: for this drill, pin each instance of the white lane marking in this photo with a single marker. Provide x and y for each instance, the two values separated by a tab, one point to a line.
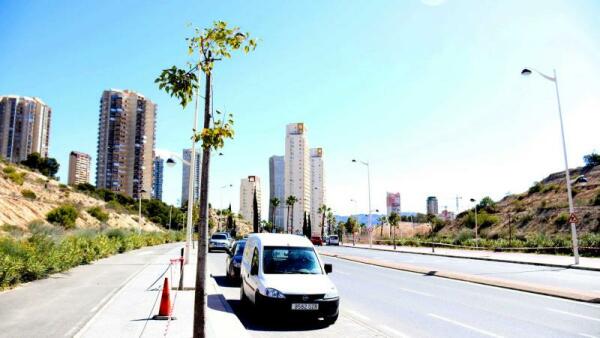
358	315
573	314
95	308
392	331
466	326
143	253
414	291
587	335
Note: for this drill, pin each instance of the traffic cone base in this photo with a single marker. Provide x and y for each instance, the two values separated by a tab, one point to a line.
164	312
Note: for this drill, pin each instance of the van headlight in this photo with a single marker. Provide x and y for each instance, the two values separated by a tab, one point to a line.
273	293
332	293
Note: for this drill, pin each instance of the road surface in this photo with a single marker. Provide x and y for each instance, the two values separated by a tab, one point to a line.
380	302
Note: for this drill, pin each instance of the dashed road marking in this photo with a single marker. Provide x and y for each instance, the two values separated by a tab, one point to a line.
415	292
466	326
573	314
358	315
392	331
587	335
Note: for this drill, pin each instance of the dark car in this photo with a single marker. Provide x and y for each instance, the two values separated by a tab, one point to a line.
234	259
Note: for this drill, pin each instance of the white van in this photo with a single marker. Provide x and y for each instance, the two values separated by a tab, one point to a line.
283	274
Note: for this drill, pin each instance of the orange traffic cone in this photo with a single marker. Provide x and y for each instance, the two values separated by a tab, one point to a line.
164	311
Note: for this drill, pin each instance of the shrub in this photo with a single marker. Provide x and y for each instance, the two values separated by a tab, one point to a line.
592	159
536	187
8	170
64	215
98	213
561	219
14	175
596	200
28	194
550	187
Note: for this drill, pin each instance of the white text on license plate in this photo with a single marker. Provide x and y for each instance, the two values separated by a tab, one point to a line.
302	306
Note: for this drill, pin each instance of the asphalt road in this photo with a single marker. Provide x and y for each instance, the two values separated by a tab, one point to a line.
378	302
558	277
60	305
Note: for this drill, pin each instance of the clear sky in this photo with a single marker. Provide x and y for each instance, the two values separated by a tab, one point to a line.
428	91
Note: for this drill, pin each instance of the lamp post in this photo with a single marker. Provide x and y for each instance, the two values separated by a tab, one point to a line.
369	185
554	79
476	226
141	191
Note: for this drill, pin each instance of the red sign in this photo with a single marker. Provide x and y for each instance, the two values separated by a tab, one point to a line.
573	218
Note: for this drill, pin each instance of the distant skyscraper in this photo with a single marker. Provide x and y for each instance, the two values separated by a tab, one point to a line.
157	177
297	174
79	168
247	188
125	142
393	203
317	190
24	127
187	156
432	205
277	190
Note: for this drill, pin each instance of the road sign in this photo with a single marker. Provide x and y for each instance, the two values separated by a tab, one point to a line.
370	230
573	218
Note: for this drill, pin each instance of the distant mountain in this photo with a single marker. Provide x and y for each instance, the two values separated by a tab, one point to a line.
364	218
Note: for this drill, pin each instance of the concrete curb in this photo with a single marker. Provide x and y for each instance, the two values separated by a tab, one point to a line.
223	322
564	266
502	283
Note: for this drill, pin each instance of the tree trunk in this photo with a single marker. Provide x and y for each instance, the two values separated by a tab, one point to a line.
322	226
292	220
200	292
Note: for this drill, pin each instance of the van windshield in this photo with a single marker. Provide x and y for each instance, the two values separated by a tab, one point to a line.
290	260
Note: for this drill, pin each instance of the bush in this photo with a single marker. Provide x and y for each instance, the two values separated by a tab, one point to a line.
65	216
42	254
8	170
12	174
562	219
592	159
98	213
596	200
28	194
536	187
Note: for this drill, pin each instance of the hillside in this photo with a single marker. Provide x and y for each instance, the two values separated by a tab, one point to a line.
19	207
541	209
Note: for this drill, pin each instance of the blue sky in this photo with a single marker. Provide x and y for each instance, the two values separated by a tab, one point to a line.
428	91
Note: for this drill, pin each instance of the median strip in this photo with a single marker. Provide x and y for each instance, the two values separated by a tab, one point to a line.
491	281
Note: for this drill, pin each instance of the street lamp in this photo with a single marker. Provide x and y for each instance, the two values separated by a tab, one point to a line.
369	185
142	191
476	226
554	79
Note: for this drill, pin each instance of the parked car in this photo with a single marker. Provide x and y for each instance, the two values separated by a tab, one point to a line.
219	242
231	239
333	240
234	260
316	240
282	274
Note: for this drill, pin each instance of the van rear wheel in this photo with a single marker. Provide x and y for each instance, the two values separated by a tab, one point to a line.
244	301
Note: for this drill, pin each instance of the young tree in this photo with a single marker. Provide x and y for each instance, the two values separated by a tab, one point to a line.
255	220
394	219
275	203
206	46
309	228
330	222
290	201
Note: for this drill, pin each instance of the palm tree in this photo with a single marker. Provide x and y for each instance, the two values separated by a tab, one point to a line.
323	209
275	203
330	222
290	201
393	219
382	220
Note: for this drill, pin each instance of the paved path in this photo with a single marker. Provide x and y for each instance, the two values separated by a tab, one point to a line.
60	306
591	263
582	280
377	302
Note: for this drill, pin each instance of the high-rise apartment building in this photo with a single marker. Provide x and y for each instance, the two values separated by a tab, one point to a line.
187	156
317	190
79	168
126	143
248	187
297	175
24	127
158	166
432	205
277	190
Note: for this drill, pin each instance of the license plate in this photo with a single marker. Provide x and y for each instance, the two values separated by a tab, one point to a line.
305	307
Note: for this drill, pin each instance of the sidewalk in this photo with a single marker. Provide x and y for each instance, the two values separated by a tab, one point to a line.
129	311
585	263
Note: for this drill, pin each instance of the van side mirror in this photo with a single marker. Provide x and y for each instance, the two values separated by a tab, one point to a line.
328	268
